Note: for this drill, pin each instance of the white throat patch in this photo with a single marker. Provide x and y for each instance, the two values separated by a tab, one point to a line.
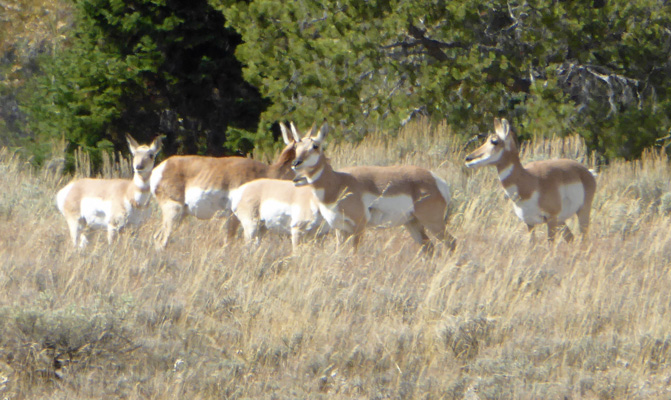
316	176
506	172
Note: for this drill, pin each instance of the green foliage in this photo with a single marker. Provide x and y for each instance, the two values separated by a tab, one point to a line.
146	68
595	68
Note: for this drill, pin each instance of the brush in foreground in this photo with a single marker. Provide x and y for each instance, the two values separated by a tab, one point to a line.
201	185
380	197
109	203
549	191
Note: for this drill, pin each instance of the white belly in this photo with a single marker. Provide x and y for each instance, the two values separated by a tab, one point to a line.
276	216
388	211
572	198
527	210
335	218
203	204
96	211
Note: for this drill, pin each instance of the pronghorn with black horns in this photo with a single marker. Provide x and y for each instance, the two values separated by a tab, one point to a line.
109	203
549	191
380	197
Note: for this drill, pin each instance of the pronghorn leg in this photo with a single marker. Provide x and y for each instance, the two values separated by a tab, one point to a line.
231	226
112	232
75	225
295	237
433	219
553	227
250	228
172	214
583	220
566	232
356	238
532	236
417	232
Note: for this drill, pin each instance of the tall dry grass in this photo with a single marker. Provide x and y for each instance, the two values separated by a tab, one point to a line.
500	318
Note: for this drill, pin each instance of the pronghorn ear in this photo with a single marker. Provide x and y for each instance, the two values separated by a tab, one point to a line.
501	128
285	134
322	132
156	144
132	144
294	132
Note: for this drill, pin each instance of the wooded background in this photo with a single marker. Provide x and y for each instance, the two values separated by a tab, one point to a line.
215	76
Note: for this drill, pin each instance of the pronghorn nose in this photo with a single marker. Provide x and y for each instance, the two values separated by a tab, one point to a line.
296	163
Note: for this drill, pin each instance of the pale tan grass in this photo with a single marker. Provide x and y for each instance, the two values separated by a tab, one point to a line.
501	317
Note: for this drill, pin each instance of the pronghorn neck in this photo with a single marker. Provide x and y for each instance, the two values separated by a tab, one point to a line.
509	167
323	180
139	190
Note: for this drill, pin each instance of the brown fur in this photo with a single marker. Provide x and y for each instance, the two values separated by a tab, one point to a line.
224	173
544	177
114	192
345	191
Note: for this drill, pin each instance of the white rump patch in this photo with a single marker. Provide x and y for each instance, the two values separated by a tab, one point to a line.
203	204
572	197
62	195
443	188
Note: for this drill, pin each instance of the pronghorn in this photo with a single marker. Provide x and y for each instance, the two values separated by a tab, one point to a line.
390	196
271	204
549	191
201	185
109	203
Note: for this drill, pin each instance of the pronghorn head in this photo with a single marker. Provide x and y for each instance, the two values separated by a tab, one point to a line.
143	155
309	154
498	143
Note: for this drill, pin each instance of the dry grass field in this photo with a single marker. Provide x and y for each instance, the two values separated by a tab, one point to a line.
503	317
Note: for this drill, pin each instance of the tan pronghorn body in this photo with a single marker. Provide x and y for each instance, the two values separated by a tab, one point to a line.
201	185
406	195
339	194
549	191
276	205
109	203
378	197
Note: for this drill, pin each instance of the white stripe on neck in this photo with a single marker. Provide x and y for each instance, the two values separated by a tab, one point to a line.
316	176
506	172
140	182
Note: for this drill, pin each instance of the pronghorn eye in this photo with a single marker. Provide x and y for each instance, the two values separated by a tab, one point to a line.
495	141
315	146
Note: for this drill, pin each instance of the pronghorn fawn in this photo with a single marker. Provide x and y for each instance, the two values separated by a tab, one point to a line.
200	185
279	206
109	203
549	191
391	195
